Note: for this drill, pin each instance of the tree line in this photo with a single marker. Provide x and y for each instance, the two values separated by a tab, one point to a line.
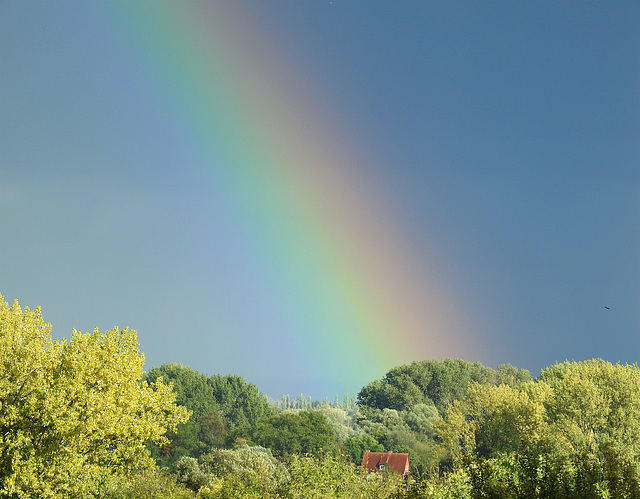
80	418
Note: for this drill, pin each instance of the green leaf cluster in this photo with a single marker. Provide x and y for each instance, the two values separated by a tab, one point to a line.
400	410
223	408
78	418
295	433
432	382
573	433
246	468
73	413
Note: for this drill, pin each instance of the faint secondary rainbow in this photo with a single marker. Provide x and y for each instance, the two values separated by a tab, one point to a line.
351	286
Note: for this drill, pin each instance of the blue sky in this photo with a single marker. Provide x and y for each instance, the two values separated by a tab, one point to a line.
506	135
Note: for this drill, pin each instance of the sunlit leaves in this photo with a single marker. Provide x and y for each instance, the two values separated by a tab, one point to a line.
573	433
74	411
330	477
596	398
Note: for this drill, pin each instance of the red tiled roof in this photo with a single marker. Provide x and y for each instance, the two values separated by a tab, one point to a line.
397	461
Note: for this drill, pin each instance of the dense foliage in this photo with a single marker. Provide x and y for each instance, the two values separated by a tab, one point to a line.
431	382
73	413
302	433
79	418
574	433
400	410
223	408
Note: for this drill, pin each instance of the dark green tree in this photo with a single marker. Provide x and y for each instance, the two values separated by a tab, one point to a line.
307	432
191	387
424	382
356	446
219	404
213	429
240	403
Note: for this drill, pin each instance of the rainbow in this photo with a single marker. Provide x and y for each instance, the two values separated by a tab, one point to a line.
342	272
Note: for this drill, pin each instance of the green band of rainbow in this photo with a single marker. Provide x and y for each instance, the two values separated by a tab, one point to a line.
342	275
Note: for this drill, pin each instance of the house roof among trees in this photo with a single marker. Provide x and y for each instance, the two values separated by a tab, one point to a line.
397	461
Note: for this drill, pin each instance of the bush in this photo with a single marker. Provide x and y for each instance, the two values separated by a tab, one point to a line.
148	485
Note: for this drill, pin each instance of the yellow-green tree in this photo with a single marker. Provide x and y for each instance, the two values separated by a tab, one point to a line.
74	412
330	477
492	420
572	434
